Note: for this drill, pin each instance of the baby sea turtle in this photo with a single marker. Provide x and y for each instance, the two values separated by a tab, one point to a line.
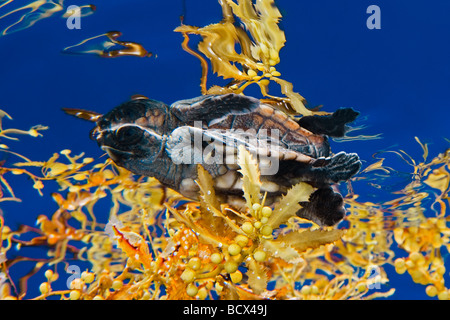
150	138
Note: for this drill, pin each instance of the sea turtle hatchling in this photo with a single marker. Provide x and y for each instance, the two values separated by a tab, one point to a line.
150	138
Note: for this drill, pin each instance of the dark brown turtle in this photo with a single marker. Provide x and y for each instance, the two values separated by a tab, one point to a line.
150	138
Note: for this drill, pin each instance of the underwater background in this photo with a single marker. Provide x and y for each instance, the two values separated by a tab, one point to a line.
397	77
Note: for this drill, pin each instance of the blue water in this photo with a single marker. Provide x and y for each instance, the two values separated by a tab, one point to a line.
398	76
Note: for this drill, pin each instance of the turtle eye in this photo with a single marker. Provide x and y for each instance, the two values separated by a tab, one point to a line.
129	135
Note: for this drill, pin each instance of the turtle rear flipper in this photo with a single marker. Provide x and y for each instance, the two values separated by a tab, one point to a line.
325	207
213	108
323	171
333	125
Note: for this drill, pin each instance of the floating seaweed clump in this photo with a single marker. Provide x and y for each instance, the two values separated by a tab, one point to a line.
34	11
165	246
156	244
247	56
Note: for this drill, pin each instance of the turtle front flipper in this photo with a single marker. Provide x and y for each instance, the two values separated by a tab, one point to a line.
334	125
325	207
213	108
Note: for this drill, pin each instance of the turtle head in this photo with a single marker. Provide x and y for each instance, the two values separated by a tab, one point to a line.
133	134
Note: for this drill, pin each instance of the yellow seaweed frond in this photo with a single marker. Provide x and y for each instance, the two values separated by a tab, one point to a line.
257	276
103	44
6	133
261	20
33	12
206	184
170	248
309	239
133	245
